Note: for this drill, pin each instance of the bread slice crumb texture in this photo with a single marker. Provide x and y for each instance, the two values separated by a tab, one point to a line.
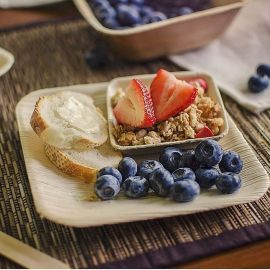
69	120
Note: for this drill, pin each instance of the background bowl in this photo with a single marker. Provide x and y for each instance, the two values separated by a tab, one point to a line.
123	83
173	35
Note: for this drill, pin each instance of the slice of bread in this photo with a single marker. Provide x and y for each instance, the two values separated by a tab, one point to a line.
83	164
69	120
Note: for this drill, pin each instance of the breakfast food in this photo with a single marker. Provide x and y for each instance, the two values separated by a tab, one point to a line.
171	110
146	167
170	95
260	82
74	132
179	175
69	120
119	14
128	167
106	187
139	112
184	191
83	164
135	187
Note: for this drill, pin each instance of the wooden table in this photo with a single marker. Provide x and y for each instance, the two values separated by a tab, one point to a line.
255	255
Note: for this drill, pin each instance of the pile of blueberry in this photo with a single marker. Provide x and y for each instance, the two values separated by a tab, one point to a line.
260	81
118	14
178	174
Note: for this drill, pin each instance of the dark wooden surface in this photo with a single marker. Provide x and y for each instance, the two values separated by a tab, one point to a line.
255	255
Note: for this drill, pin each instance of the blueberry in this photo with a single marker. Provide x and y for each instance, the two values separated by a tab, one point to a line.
105	13
161	181
206	177
111	23
208	153
128	167
183	174
128	15
184	11
189	160
107	187
137	2
263	70
136	187
146	10
95	58
155	16
146	167
231	162
184	191
257	84
171	158
117	2
110	171
228	182
100	3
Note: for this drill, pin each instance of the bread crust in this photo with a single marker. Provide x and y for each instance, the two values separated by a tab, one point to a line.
37	122
68	166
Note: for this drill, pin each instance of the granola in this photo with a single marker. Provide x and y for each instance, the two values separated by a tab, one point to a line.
203	112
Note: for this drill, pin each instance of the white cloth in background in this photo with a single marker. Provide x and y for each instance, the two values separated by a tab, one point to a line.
233	58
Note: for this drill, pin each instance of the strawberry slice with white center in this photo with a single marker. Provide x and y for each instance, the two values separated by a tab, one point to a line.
136	107
204	133
170	95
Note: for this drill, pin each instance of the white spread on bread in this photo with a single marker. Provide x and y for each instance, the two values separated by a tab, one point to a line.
78	115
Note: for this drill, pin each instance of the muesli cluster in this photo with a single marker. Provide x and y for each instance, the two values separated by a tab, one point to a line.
203	112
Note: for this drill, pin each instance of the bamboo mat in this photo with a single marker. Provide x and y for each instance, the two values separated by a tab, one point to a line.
53	55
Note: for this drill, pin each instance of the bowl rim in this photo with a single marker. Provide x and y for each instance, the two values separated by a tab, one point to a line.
87	12
110	116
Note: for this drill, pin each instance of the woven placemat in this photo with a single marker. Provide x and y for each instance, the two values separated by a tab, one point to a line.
53	55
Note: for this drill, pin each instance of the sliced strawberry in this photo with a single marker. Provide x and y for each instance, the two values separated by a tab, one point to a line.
204	132
170	95
136	107
199	82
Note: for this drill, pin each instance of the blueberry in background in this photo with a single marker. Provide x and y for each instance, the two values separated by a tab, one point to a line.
183	174
184	11
208	153
145	10
117	2
111	23
99	3
135	187
127	167
103	13
231	162
146	167
263	70
206	177
128	15
184	191
161	181
257	84
171	158
110	171
137	2
96	58
107	187
155	16
228	182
